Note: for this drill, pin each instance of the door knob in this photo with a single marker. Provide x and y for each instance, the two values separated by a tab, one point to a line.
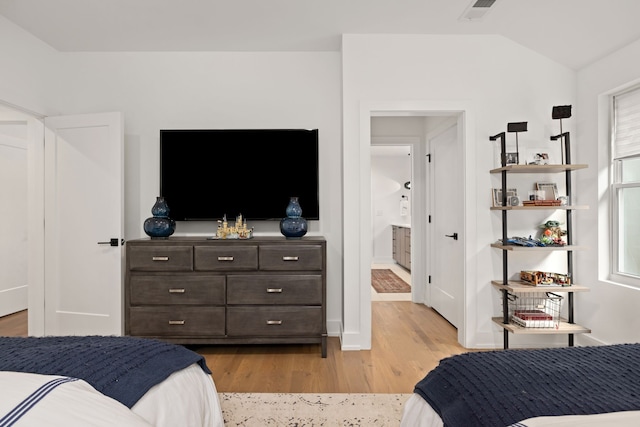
454	236
111	242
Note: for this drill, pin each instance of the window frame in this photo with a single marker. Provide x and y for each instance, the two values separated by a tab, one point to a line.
616	185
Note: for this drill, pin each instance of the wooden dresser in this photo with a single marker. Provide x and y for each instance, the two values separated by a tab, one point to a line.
192	290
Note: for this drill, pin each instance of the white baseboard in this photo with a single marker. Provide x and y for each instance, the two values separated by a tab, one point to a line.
383	260
333	328
13	300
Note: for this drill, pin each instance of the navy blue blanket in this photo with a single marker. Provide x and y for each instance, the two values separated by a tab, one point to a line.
499	388
123	368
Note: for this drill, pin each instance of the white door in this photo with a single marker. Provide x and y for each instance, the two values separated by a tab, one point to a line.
83	203
13	216
446	249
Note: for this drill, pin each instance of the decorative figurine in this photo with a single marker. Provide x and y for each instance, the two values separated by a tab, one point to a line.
238	231
552	234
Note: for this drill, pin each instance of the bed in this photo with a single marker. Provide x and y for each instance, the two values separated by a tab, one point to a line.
124	381
528	388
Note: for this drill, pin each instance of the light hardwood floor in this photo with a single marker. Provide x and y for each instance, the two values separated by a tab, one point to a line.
408	340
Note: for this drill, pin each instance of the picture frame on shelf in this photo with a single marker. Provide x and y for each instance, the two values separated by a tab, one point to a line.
550	190
512	158
538	156
497	195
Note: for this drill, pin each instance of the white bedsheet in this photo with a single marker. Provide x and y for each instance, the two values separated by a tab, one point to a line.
188	398
72	404
618	419
418	413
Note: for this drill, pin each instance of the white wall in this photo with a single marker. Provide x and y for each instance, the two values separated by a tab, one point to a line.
609	309
28	69
497	81
190	90
216	90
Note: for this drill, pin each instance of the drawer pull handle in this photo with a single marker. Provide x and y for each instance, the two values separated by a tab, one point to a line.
160	258
225	258
290	258
176	322
176	291
274	322
274	290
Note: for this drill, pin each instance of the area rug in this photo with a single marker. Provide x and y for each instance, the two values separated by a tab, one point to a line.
386	281
311	410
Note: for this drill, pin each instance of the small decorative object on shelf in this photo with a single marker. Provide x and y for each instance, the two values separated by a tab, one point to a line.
537	156
531	242
497	195
551	234
542	202
543	278
549	190
293	226
159	226
237	231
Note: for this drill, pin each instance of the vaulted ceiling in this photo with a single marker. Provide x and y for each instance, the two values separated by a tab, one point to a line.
572	32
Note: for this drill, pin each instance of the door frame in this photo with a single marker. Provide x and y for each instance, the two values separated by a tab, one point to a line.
35	212
361	300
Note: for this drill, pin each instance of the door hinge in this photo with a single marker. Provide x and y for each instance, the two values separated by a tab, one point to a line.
429	219
429	157
429	280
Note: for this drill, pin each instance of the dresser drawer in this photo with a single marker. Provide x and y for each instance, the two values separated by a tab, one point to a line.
178	289
291	257
274	289
177	321
274	321
226	258
160	258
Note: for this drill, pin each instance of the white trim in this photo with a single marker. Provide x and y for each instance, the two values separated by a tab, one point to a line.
394	140
22	110
13	300
359	301
35	227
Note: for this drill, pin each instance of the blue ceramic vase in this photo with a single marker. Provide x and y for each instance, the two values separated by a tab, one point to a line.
159	226
293	226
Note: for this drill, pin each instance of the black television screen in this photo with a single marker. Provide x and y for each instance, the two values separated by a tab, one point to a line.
206	174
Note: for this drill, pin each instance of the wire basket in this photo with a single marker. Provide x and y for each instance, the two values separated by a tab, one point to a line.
535	310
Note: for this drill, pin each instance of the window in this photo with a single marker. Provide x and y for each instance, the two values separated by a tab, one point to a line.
625	187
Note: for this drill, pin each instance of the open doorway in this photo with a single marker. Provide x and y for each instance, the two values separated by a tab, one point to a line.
424	244
14	134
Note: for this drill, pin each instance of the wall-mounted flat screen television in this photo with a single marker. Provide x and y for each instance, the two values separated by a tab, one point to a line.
206	174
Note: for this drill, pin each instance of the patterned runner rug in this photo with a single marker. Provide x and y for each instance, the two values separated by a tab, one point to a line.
386	281
311	410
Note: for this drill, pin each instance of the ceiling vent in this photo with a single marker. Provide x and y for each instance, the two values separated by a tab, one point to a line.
477	10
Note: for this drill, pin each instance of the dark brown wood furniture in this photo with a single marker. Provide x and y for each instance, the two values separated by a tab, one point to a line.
193	290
